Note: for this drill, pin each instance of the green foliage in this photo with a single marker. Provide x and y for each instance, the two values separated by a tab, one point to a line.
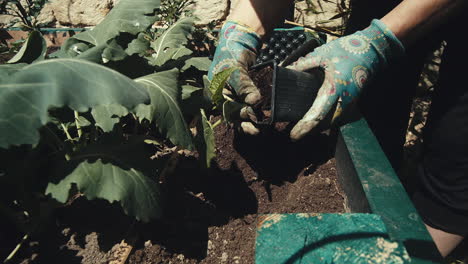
93	118
106	116
113	169
33	49
217	85
199	63
28	94
27	14
130	17
171	44
207	148
173	10
83	118
164	108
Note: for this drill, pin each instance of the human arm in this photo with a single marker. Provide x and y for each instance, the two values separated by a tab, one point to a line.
260	15
239	42
412	20
348	70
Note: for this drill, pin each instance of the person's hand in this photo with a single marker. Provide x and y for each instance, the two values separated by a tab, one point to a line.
349	64
238	47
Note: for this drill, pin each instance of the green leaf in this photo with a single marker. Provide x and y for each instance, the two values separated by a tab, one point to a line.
218	83
171	44
27	95
137	194
139	46
113	52
106	116
70	49
208	150
168	55
82	121
231	110
34	49
6	70
130	16
152	142
101	54
188	90
115	170
165	110
200	63
194	100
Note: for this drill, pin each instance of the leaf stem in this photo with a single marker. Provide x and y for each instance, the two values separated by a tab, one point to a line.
24	14
217	123
13	253
65	129
78	127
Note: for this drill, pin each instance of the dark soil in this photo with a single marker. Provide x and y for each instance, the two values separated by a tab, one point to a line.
211	214
5	57
214	216
263	79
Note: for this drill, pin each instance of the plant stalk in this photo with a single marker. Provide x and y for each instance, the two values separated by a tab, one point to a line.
65	129
24	14
217	123
17	248
78	127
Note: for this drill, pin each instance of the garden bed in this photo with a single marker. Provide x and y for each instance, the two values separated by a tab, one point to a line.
211	214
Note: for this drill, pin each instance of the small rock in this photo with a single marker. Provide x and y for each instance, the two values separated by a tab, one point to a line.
148	244
210	245
224	257
66	231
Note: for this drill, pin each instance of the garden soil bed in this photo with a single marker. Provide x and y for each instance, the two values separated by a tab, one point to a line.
211	215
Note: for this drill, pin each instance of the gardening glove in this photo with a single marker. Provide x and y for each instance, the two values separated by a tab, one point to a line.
349	63
238	46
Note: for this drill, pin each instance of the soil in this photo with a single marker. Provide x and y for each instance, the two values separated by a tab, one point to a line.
211	213
5	57
263	79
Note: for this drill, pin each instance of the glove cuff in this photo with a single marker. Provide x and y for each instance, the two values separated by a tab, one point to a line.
241	33
386	43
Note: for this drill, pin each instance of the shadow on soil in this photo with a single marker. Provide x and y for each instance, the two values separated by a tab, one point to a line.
195	200
277	159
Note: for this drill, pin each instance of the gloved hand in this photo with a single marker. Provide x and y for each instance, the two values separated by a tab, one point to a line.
349	64
238	47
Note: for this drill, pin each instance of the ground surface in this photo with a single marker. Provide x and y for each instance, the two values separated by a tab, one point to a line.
210	215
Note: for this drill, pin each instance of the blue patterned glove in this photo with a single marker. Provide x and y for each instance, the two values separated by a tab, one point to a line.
349	64
238	47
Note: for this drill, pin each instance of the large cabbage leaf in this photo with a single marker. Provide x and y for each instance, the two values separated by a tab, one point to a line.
116	170
129	16
26	95
171	44
34	49
165	110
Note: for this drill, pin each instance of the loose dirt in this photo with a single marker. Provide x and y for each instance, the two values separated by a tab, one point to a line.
211	214
262	77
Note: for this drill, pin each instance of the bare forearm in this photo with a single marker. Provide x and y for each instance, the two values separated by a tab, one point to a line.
414	19
261	15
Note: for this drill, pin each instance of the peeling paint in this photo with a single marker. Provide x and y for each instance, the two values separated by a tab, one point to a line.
308	215
268	220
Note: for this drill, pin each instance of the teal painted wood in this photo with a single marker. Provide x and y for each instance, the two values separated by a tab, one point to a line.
385	194
326	238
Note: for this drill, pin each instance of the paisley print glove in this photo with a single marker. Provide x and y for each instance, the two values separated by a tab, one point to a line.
238	47
349	63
